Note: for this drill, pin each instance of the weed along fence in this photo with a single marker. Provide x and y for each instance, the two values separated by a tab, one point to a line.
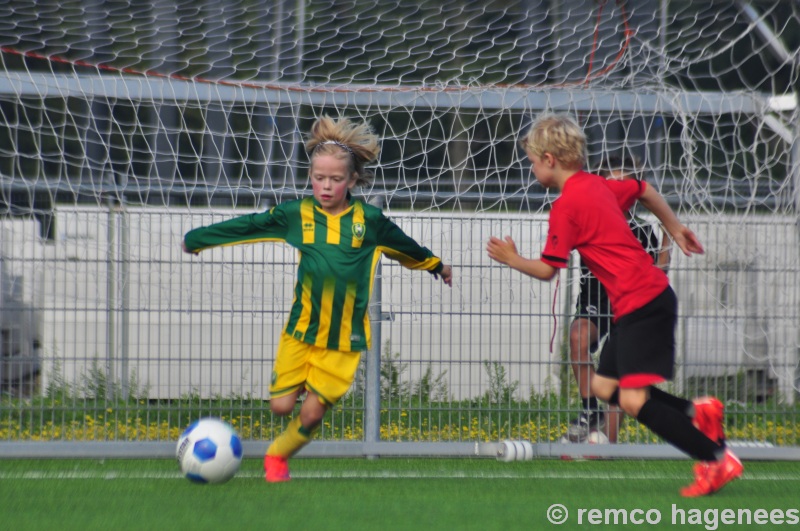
130	339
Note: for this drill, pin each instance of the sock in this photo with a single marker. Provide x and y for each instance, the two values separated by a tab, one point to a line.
678	430
681	404
590	404
675	402
293	438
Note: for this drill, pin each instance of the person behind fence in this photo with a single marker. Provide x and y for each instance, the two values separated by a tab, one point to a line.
593	317
589	215
340	239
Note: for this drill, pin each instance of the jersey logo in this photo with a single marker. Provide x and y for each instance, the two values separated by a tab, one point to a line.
358	231
355	338
554	240
308	227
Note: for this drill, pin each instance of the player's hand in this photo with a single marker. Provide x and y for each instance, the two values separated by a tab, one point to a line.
446	273
502	251
687	241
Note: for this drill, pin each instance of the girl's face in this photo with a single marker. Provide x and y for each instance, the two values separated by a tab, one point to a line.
330	182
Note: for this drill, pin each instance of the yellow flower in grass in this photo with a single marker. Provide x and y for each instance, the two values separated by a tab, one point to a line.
480	427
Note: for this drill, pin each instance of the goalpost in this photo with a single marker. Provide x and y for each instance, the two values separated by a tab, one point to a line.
124	124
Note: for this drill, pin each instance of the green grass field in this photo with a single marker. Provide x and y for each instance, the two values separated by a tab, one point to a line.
387	494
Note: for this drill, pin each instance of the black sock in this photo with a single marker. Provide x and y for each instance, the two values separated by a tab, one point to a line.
590	404
681	404
675	402
676	428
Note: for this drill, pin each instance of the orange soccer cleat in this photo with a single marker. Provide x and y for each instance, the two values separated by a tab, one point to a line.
726	470
276	469
708	417
709	477
701	485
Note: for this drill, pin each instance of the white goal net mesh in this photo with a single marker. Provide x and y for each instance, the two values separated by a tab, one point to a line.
111	106
205	102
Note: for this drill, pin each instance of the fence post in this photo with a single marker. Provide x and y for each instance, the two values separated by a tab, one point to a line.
790	394
111	297
372	379
125	296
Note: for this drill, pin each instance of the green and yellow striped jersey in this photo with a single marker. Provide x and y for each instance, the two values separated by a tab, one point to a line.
337	260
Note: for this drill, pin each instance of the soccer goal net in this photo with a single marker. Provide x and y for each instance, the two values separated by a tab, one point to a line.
124	124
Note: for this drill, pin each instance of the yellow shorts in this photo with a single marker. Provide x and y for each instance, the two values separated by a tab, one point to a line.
327	373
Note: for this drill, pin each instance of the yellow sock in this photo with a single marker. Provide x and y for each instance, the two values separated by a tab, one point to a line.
291	440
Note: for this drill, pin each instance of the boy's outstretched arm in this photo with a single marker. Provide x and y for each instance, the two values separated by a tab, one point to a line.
505	252
683	236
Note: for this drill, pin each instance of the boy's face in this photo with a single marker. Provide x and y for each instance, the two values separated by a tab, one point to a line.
542	168
330	182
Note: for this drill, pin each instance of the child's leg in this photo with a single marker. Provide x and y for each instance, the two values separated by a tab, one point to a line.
676	402
284	405
706	413
669	423
582	335
613	422
300	429
297	434
718	467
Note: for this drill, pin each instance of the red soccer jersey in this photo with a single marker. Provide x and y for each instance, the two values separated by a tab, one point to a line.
589	216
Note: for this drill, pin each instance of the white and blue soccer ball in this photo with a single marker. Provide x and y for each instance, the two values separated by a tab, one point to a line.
209	451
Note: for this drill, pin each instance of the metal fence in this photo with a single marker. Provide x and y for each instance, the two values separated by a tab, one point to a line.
119	337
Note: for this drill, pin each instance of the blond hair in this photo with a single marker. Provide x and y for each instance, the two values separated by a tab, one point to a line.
559	135
345	140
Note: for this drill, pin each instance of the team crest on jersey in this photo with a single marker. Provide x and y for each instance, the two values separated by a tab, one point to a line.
358	231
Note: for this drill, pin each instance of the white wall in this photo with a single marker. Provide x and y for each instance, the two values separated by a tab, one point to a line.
209	324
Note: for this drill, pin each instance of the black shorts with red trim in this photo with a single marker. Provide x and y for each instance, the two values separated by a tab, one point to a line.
640	350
